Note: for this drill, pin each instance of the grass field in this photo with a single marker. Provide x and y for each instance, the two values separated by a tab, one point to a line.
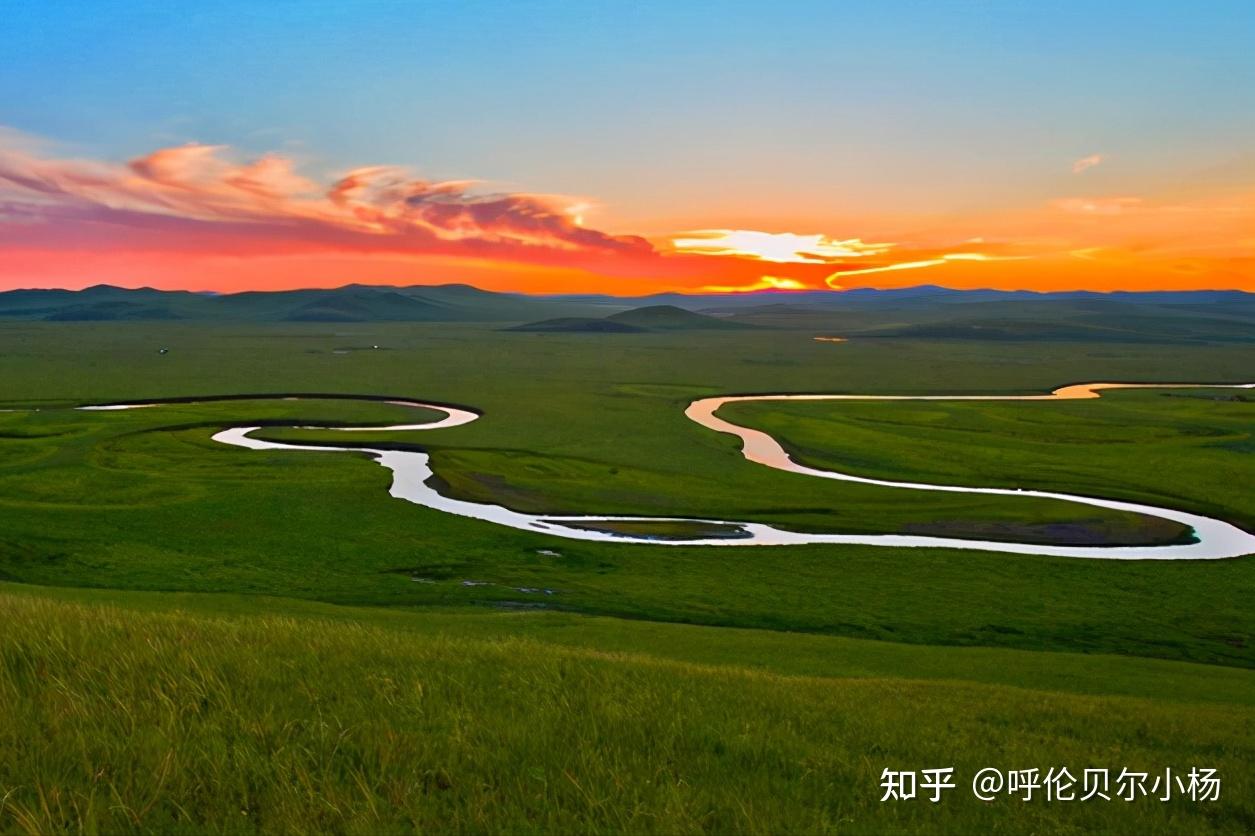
311	607
136	715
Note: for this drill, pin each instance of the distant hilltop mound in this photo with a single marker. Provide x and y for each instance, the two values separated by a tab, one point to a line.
635	321
671	318
365	305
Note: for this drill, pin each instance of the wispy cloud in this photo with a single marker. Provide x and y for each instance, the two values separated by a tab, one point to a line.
937	261
1085	163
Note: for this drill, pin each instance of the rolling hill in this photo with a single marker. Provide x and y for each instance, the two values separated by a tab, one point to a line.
908	313
635	321
672	318
579	324
351	303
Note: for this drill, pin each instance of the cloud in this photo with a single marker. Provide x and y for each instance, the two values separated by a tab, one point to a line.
780	247
1087	162
936	261
193	189
764	283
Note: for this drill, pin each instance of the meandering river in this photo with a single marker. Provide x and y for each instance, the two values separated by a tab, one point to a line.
411	472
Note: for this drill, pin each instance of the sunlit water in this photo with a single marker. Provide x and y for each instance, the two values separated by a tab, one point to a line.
411	472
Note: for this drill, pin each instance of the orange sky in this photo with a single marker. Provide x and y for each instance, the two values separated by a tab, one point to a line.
198	217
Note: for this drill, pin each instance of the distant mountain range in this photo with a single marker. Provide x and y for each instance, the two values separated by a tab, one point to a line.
916	312
351	303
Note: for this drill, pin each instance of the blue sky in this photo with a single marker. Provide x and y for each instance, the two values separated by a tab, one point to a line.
657	109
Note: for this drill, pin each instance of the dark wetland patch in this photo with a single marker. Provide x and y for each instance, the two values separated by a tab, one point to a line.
663	529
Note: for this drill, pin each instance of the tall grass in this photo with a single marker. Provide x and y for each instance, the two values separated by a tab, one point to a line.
116	720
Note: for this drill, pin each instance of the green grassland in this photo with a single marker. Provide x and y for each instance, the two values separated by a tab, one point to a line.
560	691
192	713
145	500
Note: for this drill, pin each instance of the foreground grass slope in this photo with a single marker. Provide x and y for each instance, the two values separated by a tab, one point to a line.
134	717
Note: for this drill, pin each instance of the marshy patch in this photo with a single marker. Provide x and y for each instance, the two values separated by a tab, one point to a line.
1149	531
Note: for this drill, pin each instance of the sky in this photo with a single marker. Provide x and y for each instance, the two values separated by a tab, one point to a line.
628	147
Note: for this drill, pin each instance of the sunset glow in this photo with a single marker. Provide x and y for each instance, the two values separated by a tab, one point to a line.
197	216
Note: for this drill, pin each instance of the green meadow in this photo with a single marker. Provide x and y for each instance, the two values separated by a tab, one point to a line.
190	713
197	637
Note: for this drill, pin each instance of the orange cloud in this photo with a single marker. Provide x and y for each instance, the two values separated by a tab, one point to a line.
764	283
